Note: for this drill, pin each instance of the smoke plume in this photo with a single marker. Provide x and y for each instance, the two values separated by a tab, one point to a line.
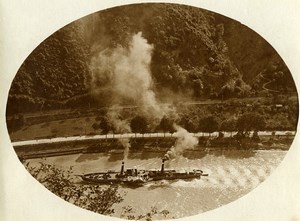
185	140
123	74
114	117
125	142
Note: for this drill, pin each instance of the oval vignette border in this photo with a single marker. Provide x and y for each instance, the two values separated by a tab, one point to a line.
253	192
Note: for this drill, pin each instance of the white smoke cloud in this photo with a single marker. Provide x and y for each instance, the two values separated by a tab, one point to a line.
185	140
123	74
126	144
114	117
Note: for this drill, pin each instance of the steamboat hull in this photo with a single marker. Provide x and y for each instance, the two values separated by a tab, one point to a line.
135	178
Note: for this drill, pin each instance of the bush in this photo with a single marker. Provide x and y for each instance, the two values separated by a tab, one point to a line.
60	182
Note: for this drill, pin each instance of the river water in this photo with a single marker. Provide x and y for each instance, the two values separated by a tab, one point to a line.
232	174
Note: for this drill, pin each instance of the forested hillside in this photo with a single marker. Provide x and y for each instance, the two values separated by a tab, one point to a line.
196	53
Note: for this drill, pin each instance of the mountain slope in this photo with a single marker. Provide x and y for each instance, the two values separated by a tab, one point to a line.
196	53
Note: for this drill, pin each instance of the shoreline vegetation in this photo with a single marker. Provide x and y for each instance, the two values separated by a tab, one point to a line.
116	145
240	124
97	198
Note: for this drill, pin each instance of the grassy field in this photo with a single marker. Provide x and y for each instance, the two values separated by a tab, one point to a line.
59	128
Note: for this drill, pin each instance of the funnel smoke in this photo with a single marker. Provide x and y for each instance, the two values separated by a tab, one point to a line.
185	140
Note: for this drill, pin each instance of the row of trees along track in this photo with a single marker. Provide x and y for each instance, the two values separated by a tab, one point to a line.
139	124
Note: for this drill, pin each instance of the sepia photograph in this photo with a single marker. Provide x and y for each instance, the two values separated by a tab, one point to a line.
152	111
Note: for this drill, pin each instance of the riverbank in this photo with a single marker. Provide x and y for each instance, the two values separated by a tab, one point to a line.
121	145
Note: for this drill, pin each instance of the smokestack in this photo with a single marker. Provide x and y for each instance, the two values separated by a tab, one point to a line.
162	166
122	168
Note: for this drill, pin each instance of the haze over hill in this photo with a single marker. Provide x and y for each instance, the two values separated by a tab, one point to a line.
188	52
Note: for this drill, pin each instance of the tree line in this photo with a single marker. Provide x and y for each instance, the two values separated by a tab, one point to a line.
243	124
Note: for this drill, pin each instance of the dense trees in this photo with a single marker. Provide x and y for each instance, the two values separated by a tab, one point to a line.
103	124
54	72
166	125
139	124
190	123
278	123
228	125
250	122
209	124
233	116
195	53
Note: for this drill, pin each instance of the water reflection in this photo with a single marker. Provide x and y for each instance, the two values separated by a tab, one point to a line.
232	153
115	157
189	154
193	154
87	157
